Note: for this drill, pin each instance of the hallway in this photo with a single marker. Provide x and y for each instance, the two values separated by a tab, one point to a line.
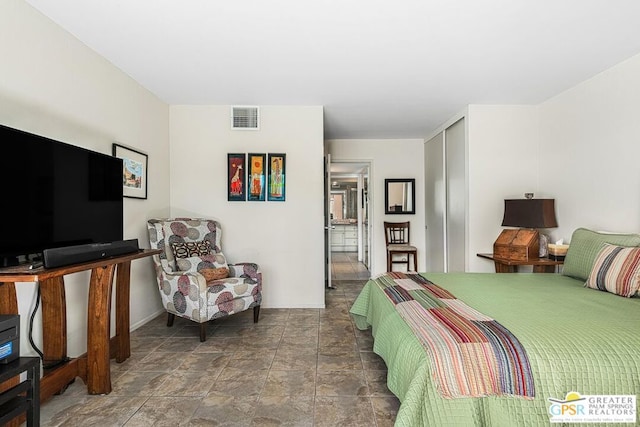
345	266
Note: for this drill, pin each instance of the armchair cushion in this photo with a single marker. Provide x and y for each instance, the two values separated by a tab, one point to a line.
197	263
214	273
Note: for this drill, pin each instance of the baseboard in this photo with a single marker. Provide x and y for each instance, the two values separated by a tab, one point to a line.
147	319
293	307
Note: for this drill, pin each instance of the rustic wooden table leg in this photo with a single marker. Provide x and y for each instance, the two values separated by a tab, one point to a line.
505	268
54	320
123	278
8	299
59	370
544	268
98	322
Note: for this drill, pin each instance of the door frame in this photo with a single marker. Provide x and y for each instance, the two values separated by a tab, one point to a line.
356	166
327	222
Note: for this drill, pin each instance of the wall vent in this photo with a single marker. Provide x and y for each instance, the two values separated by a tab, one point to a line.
245	117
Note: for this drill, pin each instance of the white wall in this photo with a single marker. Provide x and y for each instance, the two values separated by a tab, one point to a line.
502	162
55	86
589	150
390	158
285	238
503	159
580	148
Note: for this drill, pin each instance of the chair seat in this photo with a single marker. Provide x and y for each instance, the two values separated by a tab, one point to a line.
401	248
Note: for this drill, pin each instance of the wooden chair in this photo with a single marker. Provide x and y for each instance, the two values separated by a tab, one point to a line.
397	238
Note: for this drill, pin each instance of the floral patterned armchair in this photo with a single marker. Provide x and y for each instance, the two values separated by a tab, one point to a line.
194	279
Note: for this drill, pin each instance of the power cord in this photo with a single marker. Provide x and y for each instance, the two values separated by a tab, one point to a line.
33	314
33	344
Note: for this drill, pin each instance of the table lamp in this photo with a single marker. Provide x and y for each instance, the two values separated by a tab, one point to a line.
529	214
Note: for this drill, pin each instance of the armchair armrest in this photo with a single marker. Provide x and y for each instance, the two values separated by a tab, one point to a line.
184	280
248	270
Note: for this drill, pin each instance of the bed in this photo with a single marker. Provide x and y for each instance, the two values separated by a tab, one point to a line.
576	339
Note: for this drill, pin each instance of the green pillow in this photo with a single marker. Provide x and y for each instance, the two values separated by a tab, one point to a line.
585	246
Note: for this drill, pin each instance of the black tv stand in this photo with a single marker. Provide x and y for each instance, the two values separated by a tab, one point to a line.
35	264
23	396
13	261
9	261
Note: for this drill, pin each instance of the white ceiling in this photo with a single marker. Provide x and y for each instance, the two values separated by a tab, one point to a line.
381	69
348	169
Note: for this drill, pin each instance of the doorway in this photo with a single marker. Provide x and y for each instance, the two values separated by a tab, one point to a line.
349	213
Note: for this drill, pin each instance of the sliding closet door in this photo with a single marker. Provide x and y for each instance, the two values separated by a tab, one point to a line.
435	203
456	196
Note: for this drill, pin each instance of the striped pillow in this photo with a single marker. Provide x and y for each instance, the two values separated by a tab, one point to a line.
616	270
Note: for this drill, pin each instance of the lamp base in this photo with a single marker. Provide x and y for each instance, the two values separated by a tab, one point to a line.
544	248
517	245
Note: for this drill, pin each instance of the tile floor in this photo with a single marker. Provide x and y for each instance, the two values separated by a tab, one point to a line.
345	266
296	367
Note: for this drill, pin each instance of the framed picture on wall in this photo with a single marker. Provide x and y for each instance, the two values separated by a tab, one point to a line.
134	171
236	188
257	176
277	177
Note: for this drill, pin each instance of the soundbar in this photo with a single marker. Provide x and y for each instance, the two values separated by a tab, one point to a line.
59	257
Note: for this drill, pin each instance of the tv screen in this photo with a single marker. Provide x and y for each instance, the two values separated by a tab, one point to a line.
55	195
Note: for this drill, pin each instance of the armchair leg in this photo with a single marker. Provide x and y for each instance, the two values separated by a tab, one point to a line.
256	313
170	318
203	332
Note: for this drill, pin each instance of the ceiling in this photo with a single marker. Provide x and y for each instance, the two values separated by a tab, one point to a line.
381	69
348	169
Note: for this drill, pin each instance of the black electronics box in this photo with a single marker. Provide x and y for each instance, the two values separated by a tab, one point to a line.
67	255
9	337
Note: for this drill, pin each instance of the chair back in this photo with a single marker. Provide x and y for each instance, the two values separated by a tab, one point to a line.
396	233
165	231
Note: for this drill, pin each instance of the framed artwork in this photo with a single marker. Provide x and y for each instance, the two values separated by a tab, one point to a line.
134	171
277	173
257	176
236	188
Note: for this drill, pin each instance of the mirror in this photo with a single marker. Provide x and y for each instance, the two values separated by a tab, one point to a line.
344	201
400	196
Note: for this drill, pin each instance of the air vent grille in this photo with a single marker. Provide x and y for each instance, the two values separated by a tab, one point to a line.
245	117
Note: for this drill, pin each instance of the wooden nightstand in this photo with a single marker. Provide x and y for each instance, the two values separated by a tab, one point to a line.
540	265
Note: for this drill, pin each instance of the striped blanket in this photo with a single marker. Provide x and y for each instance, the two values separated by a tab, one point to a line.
471	354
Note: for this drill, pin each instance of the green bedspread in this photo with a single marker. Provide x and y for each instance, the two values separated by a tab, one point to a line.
577	339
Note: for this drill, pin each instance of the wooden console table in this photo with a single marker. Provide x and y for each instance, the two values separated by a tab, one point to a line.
93	366
540	265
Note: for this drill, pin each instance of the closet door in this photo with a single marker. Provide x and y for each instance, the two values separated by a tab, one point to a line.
456	211
435	194
446	199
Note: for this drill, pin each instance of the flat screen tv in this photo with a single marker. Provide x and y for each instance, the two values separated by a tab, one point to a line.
55	195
